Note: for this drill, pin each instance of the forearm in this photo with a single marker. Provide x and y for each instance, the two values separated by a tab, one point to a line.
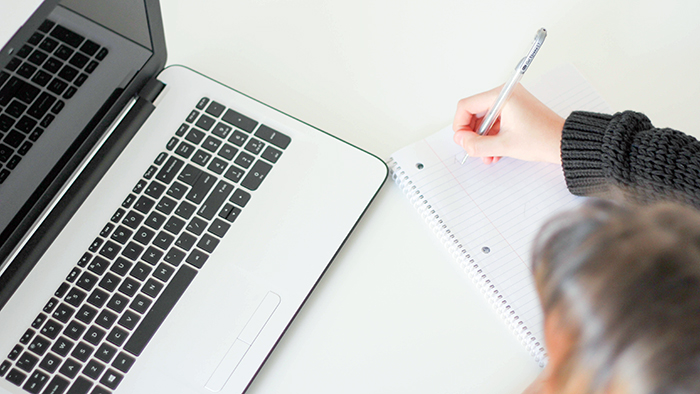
603	154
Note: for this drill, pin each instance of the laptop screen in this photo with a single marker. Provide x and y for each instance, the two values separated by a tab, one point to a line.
64	77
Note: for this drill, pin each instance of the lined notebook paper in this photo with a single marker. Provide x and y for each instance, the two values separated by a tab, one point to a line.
487	216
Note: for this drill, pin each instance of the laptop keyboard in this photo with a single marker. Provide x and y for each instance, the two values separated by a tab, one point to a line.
35	85
113	301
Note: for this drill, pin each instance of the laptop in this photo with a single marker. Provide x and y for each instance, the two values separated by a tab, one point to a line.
159	231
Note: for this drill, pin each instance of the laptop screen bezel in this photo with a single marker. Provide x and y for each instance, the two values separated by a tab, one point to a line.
19	249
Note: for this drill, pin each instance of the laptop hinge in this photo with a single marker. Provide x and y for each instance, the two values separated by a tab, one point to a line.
152	89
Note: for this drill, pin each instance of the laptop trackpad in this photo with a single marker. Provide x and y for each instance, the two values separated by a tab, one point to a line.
241	345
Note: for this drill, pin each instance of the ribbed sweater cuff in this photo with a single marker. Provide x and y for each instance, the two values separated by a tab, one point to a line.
581	152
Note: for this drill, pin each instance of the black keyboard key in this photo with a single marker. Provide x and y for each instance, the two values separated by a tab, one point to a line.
94	335
256	175
189	174
68	73
133	219
62	346
228	152
36	382
27	93
109	282
13	64
140	271
186	241
121	266
50	305
152	255
110	250
192	116
15	352
16	377
106	352
82	351
241	121
15	109
144	235
129	320
62	34
155	220
57	86
41	105
201	157
74	330
63	312
5	152
169	170
208	243
6	122
213	203
52	65
80	80
254	146
70	368
22	54
48	44
200	189
205	123
217	166
25	124
140	303
63	52
79	60
197	258
174	225
152	288
144	204
93	370
39	321
37	57
221	130
244	159
163	240
174	256
26	70
111	379
28	335
202	103
41	78
240	197
102	54
273	136
177	190
39	345
234	174
117	303
184	210
121	234
90	48
86	314
27	361
14	138
163	272
132	251
106	319
99	265
4	367
160	310
50	363
219	228
167	205
80	386
195	136
91	66
51	330
271	154
215	109
9	90
196	226
123	362
233	214
75	296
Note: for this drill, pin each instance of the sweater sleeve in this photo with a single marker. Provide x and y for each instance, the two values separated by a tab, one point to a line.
606	154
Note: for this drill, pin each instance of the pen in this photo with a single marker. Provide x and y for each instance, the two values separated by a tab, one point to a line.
507	90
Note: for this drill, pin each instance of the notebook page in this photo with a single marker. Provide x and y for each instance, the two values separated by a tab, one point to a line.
495	211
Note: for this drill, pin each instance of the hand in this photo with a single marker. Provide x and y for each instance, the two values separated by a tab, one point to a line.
526	129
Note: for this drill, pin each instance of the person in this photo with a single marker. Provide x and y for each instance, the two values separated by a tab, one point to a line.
619	283
620	289
600	154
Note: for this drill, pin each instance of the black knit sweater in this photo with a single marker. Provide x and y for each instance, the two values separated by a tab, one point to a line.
606	154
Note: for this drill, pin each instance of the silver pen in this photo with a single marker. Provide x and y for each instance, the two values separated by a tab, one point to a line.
508	88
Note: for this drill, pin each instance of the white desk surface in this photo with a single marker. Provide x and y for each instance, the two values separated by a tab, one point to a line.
393	314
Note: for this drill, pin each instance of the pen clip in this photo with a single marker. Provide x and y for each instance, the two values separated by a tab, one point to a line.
536	45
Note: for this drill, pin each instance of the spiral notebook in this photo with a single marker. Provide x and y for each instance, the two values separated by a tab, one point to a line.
487	216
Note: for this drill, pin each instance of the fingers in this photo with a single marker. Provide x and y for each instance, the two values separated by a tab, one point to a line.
481	145
468	108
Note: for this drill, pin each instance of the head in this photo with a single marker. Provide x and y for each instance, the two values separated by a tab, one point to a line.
620	287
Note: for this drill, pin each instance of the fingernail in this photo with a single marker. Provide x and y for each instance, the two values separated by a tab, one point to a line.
458	137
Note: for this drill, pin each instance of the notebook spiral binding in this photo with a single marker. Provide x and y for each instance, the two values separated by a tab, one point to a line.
468	264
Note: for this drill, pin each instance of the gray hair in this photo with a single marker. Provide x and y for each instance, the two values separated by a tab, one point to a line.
626	279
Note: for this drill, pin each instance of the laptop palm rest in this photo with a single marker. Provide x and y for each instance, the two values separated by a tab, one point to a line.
245	339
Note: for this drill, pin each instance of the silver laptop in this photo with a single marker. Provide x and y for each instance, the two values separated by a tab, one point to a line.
159	231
